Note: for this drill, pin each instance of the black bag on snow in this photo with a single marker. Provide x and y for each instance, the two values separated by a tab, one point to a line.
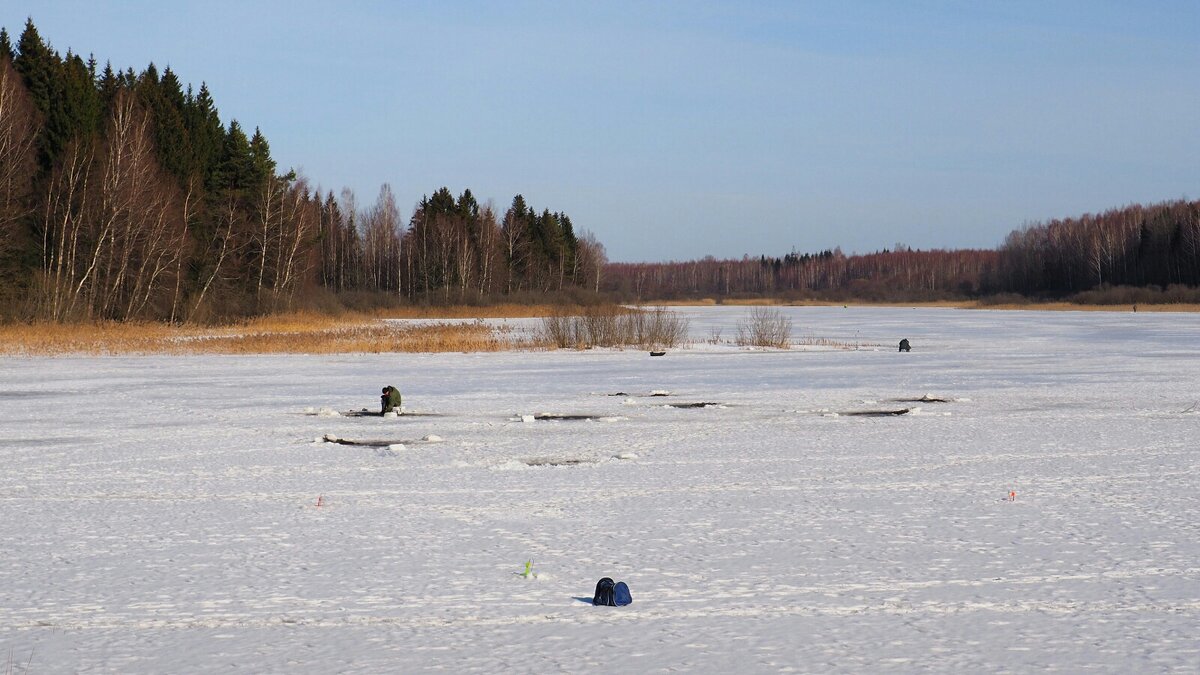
604	593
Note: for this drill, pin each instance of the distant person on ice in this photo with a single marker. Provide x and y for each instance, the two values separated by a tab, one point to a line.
904	347
390	399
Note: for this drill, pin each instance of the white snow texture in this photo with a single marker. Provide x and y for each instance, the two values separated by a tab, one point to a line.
160	514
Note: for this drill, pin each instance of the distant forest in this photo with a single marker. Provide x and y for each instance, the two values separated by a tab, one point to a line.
124	196
1093	258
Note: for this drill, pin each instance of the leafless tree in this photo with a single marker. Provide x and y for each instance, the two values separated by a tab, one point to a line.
489	247
299	223
231	220
381	242
516	248
18	132
591	260
65	241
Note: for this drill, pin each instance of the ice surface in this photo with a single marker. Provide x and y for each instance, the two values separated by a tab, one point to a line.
173	527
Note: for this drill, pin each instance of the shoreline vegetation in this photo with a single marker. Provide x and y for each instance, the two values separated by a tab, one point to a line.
418	329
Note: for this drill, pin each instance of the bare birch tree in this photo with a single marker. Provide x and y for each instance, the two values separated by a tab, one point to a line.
18	132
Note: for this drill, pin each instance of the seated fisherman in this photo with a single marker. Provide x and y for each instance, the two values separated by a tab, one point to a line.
390	399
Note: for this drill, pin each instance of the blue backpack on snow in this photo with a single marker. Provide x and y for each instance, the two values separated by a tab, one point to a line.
621	596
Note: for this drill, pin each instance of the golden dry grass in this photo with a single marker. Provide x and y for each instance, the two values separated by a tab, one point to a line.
296	333
465	312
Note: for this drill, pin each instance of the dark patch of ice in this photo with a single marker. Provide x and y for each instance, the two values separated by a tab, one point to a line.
376	413
28	394
42	442
877	413
556	461
370	442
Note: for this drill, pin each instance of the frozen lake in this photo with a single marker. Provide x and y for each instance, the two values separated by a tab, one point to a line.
159	514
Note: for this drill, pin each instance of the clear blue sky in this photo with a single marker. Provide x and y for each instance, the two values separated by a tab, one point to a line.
675	130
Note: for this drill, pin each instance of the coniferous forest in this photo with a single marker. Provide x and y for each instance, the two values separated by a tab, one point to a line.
123	195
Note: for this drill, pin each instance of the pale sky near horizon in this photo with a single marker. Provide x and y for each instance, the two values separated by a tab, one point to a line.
676	130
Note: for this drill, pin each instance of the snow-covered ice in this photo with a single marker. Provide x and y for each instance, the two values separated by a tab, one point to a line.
183	514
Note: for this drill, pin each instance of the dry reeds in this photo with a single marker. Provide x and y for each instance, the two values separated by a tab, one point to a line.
615	326
298	333
813	341
508	311
765	327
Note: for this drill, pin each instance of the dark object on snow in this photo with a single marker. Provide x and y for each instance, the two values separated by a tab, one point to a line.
550	461
609	594
701	404
370	443
566	418
390	400
621	596
904	346
657	353
877	413
372	413
926	398
604	593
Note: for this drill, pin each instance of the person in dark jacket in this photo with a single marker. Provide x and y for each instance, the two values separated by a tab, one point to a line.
904	347
390	399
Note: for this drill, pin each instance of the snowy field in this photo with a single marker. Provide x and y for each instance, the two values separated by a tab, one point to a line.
159	514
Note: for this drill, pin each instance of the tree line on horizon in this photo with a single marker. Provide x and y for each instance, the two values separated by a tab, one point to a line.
124	196
1152	247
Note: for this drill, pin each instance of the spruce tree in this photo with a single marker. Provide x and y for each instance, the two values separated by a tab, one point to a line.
82	110
35	61
171	89
260	159
207	137
518	208
38	67
6	46
108	84
164	97
570	244
442	202
468	206
149	75
236	171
